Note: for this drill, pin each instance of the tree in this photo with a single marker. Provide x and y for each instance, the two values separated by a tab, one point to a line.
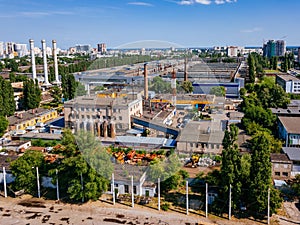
187	86
12	77
251	65
7	102
68	86
31	94
56	94
80	90
218	91
260	175
24	171
296	185
3	125
160	86
231	166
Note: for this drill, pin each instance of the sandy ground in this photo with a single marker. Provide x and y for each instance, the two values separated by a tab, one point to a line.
32	211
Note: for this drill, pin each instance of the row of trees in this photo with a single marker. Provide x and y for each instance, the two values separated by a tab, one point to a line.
163	87
248	175
257	99
78	171
7	103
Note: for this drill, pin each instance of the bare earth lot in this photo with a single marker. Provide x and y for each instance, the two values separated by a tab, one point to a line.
31	211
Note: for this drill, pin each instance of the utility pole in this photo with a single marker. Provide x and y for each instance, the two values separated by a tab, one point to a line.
81	178
187	197
132	194
38	182
268	206
4	181
113	188
57	188
158	189
206	200
229	213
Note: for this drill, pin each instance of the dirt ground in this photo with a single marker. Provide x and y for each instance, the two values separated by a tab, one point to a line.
32	211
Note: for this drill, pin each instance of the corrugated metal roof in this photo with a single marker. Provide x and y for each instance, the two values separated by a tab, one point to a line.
292	153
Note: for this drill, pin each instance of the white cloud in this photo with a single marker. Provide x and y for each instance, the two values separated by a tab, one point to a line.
186	2
204	2
252	30
140	4
34	14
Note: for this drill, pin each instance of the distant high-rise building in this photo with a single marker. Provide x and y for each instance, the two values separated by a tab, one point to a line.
274	48
232	51
1	48
21	49
299	55
102	48
83	48
9	48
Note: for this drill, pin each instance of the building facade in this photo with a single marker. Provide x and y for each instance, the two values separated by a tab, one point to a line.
22	120
104	116
288	129
289	83
281	166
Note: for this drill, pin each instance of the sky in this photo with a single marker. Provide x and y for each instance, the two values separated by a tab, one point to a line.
159	23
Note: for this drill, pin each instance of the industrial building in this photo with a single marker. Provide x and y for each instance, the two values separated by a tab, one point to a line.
289	83
104	115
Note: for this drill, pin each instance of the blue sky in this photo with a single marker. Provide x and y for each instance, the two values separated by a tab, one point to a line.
187	23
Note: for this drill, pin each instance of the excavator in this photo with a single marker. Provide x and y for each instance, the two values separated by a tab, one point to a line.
193	161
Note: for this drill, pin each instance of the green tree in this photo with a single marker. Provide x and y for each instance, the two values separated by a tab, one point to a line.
260	175
12	77
31	94
56	94
160	86
251	65
7	102
24	171
231	166
296	185
218	91
187	86
3	125
80	90
68	86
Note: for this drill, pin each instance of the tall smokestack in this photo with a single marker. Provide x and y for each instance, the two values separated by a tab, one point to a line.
31	43
173	86
185	70
55	61
146	81
46	82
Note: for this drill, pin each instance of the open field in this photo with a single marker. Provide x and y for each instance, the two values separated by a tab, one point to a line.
32	211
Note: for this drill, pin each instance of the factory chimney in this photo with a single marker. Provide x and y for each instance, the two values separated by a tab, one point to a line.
146	81
31	43
185	70
173	86
54	54
46	82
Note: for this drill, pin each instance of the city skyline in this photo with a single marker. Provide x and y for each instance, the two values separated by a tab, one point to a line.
121	24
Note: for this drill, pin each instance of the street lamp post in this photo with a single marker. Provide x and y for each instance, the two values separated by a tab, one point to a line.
38	182
57	188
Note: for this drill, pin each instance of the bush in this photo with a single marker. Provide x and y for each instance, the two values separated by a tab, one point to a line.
165	206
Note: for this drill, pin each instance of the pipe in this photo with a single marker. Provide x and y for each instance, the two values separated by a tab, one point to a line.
31	43
46	82
55	61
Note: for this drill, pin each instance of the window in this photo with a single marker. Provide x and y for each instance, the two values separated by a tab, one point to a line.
191	144
285	174
120	117
134	190
126	188
277	173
